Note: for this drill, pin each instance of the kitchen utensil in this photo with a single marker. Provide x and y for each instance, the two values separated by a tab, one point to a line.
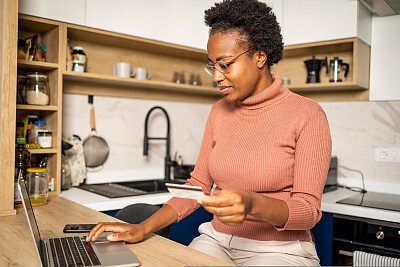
95	148
336	66
313	68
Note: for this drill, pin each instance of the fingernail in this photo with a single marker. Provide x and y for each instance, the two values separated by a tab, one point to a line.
110	237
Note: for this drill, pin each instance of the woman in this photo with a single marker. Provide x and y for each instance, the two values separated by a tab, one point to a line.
265	151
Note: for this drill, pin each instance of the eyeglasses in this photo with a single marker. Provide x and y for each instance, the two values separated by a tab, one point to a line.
223	66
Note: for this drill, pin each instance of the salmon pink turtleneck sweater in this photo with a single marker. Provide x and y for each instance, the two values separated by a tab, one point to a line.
275	143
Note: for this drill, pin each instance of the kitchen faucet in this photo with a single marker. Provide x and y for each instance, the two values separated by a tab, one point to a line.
167	163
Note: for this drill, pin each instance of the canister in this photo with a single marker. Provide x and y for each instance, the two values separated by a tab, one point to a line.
79	59
37	89
38	185
44	139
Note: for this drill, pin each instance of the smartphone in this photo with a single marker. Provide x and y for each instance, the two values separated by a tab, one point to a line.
78	228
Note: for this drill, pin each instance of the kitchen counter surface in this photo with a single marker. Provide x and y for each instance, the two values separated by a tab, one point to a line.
328	204
101	203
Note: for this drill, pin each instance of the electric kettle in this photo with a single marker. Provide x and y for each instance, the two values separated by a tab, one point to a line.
336	67
313	68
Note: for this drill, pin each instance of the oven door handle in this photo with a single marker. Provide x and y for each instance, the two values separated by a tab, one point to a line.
345	253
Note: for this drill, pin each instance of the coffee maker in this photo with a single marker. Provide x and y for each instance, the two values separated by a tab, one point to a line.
313	68
336	67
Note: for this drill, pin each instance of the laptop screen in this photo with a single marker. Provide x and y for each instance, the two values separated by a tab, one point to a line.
29	212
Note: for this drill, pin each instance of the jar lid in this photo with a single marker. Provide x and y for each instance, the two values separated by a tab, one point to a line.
44	132
40	122
37	75
77	48
36	170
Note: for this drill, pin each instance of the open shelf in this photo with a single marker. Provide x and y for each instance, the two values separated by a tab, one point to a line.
324	87
135	83
351	50
43	151
26	65
107	85
36	107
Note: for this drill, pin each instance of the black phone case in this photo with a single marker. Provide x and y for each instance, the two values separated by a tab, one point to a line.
78	228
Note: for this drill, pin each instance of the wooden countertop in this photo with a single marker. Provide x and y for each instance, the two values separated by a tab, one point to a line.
17	247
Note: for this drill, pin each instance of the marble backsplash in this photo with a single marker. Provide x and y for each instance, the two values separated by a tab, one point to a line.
357	128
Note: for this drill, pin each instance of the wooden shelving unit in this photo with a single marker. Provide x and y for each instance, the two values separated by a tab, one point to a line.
104	49
50	36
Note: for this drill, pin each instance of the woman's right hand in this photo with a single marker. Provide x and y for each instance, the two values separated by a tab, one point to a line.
121	232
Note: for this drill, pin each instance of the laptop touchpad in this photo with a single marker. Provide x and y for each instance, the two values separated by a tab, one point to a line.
110	247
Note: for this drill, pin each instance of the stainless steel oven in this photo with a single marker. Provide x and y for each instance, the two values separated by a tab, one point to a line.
371	236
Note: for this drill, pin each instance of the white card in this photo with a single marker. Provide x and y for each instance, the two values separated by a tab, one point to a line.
185	191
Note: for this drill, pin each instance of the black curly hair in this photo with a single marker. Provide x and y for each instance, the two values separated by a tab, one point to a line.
252	19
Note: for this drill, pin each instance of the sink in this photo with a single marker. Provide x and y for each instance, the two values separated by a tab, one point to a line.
125	189
150	186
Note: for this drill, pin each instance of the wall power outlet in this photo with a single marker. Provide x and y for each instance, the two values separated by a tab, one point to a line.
387	154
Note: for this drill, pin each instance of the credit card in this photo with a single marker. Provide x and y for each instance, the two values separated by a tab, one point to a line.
185	191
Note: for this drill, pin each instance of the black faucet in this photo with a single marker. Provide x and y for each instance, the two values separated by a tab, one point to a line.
168	162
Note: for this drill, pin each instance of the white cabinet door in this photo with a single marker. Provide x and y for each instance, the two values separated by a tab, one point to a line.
306	21
173	21
72	11
385	58
133	17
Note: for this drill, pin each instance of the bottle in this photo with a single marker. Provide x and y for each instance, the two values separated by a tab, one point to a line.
37	181
22	162
31	122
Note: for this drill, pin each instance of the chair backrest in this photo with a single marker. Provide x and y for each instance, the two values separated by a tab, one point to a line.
139	212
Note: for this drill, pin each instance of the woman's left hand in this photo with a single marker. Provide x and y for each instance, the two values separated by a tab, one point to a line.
230	206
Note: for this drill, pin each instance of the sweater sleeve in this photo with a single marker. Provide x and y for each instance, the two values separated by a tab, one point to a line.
199	176
312	159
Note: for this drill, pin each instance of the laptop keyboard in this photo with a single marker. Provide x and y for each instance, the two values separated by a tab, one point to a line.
72	251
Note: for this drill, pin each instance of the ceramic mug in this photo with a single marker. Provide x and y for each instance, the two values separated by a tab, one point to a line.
122	69
141	74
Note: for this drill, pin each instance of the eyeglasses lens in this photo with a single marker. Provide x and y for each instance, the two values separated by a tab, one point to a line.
220	66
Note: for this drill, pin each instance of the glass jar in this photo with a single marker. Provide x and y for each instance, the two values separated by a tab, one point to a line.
21	81
39	126
79	57
44	139
37	89
78	66
38	185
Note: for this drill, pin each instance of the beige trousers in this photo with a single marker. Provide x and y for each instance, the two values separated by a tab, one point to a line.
248	252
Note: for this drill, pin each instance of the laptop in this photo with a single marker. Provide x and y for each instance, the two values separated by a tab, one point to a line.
74	250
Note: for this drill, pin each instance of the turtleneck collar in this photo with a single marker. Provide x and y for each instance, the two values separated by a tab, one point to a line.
268	96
